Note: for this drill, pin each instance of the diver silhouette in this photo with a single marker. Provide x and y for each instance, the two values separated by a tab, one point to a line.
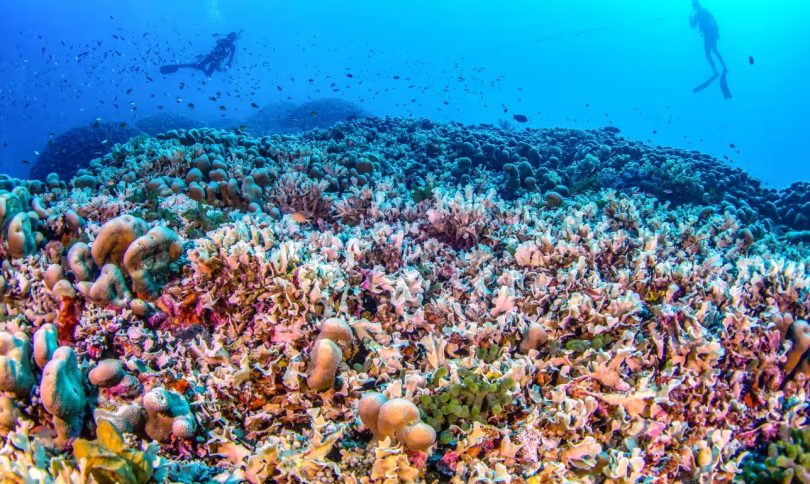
220	57
706	23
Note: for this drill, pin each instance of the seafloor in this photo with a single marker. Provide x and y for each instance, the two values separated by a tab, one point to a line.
399	301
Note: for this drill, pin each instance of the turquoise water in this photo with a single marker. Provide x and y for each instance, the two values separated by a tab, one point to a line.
631	64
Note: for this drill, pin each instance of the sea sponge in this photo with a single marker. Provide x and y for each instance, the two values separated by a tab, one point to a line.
45	344
325	357
62	393
534	337
396	418
148	258
115	237
16	375
110	288
80	262
168	414
799	333
107	373
20	237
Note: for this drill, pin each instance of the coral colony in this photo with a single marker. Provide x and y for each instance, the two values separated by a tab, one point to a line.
403	301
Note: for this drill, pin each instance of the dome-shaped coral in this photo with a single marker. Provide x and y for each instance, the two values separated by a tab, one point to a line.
397	419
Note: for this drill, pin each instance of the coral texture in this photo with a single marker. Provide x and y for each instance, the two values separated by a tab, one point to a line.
492	305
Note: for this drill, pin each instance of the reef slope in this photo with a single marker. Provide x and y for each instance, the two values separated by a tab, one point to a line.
400	300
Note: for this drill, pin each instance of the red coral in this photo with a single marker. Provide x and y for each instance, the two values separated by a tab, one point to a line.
67	319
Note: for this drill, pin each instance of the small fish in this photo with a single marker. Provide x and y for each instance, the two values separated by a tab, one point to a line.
254	105
129	90
751	59
520	118
36	152
105	141
191	106
313	113
222	107
732	145
25	162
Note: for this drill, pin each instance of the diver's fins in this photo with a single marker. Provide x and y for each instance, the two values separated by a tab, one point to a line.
708	82
172	68
724	85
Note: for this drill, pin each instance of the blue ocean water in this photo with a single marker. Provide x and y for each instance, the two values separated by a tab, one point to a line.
580	63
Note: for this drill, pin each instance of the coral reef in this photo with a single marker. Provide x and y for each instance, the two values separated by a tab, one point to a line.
73	150
168	415
396	418
393	300
62	393
162	122
287	118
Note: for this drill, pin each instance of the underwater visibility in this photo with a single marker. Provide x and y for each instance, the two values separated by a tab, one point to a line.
381	242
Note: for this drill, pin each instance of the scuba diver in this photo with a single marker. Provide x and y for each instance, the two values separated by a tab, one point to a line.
220	58
705	22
